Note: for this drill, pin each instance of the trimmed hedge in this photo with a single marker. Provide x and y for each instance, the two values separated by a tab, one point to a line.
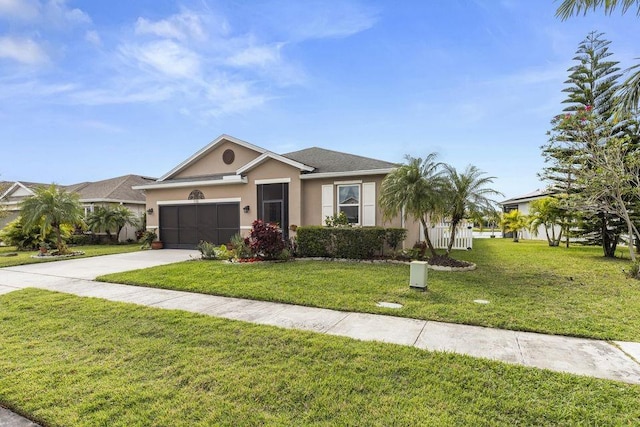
341	242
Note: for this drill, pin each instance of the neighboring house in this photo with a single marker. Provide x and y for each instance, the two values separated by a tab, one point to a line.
11	196
92	194
523	204
220	190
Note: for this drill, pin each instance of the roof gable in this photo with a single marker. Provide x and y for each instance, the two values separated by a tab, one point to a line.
268	155
208	149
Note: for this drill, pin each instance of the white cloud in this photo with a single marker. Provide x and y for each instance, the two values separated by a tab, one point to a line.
167	57
19	9
182	26
93	37
23	50
317	19
58	13
261	56
117	95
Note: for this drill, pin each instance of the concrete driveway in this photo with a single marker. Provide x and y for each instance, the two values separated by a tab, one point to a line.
90	268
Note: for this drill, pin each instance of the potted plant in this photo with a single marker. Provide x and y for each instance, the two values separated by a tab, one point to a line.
149	239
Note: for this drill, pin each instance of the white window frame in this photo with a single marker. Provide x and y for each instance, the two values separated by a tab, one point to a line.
88	209
359	205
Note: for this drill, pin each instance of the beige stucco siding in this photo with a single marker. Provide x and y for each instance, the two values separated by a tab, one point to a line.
211	163
269	170
215	192
312	204
312	198
275	170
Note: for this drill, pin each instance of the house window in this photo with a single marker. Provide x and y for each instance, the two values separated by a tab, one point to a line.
349	202
88	209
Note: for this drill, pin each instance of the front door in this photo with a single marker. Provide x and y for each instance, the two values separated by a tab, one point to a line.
273	205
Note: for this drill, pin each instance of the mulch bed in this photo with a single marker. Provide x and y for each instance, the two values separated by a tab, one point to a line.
444	261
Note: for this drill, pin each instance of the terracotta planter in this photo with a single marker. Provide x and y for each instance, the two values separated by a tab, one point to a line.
157	245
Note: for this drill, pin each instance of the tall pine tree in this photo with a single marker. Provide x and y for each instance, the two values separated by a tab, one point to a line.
591	87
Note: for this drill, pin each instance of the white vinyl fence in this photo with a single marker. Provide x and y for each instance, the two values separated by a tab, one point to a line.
440	236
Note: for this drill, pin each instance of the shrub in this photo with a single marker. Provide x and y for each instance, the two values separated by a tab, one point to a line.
25	239
79	239
634	271
395	236
211	251
147	238
265	240
313	241
351	243
240	247
337	220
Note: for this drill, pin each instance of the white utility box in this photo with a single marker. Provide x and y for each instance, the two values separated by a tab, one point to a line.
418	275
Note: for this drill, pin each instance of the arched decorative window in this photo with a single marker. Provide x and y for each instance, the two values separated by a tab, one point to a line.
196	195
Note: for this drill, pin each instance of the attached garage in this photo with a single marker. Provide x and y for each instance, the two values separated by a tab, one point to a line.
184	226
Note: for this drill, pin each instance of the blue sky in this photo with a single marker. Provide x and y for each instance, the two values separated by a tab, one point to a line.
95	89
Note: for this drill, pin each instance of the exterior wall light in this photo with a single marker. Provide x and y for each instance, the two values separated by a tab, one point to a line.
150	211
246	209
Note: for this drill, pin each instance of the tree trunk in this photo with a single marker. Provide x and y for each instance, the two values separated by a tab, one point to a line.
452	236
609	240
427	239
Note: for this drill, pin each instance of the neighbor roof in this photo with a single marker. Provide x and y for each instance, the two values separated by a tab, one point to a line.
537	194
329	161
113	189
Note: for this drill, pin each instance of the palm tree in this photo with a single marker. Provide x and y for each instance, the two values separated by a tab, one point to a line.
546	212
107	218
51	207
513	221
101	219
629	93
568	8
415	189
123	216
466	193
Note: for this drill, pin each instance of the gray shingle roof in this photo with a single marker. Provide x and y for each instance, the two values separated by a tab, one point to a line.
116	189
324	160
529	196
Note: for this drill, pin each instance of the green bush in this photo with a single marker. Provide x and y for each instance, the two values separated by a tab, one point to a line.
26	239
210	251
347	242
313	241
79	239
395	236
240	248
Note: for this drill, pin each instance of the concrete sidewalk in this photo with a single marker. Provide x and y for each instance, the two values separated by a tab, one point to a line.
616	361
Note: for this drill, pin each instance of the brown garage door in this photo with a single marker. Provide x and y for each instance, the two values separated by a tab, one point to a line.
184	226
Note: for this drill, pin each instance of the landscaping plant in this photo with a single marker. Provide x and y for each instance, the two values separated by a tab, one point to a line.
52	207
210	251
265	240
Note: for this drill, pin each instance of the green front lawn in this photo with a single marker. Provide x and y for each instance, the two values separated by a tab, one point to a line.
70	361
24	257
530	287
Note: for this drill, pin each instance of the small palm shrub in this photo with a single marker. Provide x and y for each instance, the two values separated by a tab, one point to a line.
210	251
240	247
26	238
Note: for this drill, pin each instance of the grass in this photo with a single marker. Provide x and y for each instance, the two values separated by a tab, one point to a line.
530	286
24	257
73	361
